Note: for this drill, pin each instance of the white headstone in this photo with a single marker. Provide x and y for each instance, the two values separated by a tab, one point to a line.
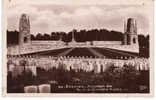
44	88
30	89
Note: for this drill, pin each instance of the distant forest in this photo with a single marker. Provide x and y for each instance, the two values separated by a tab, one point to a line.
80	36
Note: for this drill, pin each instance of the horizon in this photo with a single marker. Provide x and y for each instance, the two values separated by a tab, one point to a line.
72	30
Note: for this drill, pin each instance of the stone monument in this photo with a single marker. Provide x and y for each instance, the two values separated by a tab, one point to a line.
24	30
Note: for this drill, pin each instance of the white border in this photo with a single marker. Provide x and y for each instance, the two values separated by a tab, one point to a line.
4	27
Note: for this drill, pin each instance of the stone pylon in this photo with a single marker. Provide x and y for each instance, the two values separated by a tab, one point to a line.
24	30
130	32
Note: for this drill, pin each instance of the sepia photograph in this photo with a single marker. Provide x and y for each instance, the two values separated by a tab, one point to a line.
75	47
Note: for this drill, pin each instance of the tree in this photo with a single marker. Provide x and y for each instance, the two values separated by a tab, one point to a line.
12	37
46	37
39	36
33	37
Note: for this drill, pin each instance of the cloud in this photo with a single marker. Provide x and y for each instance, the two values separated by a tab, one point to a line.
65	18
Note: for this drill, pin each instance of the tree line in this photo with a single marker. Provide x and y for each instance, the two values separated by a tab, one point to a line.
79	36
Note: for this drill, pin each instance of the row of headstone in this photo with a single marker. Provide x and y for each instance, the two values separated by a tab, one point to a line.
69	57
141	64
17	70
44	88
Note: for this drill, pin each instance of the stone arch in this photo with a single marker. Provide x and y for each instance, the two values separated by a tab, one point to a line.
25	39
128	39
134	40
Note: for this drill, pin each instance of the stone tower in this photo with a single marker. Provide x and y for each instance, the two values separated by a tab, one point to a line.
130	32
24	30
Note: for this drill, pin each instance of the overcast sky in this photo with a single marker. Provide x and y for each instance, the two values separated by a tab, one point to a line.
48	16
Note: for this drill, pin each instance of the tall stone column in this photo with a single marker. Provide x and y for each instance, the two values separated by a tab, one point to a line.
130	34
24	30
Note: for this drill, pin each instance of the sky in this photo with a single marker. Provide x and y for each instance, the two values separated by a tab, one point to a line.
47	16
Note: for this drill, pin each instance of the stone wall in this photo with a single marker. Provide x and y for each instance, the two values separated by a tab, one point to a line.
128	48
47	42
13	50
107	42
37	46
